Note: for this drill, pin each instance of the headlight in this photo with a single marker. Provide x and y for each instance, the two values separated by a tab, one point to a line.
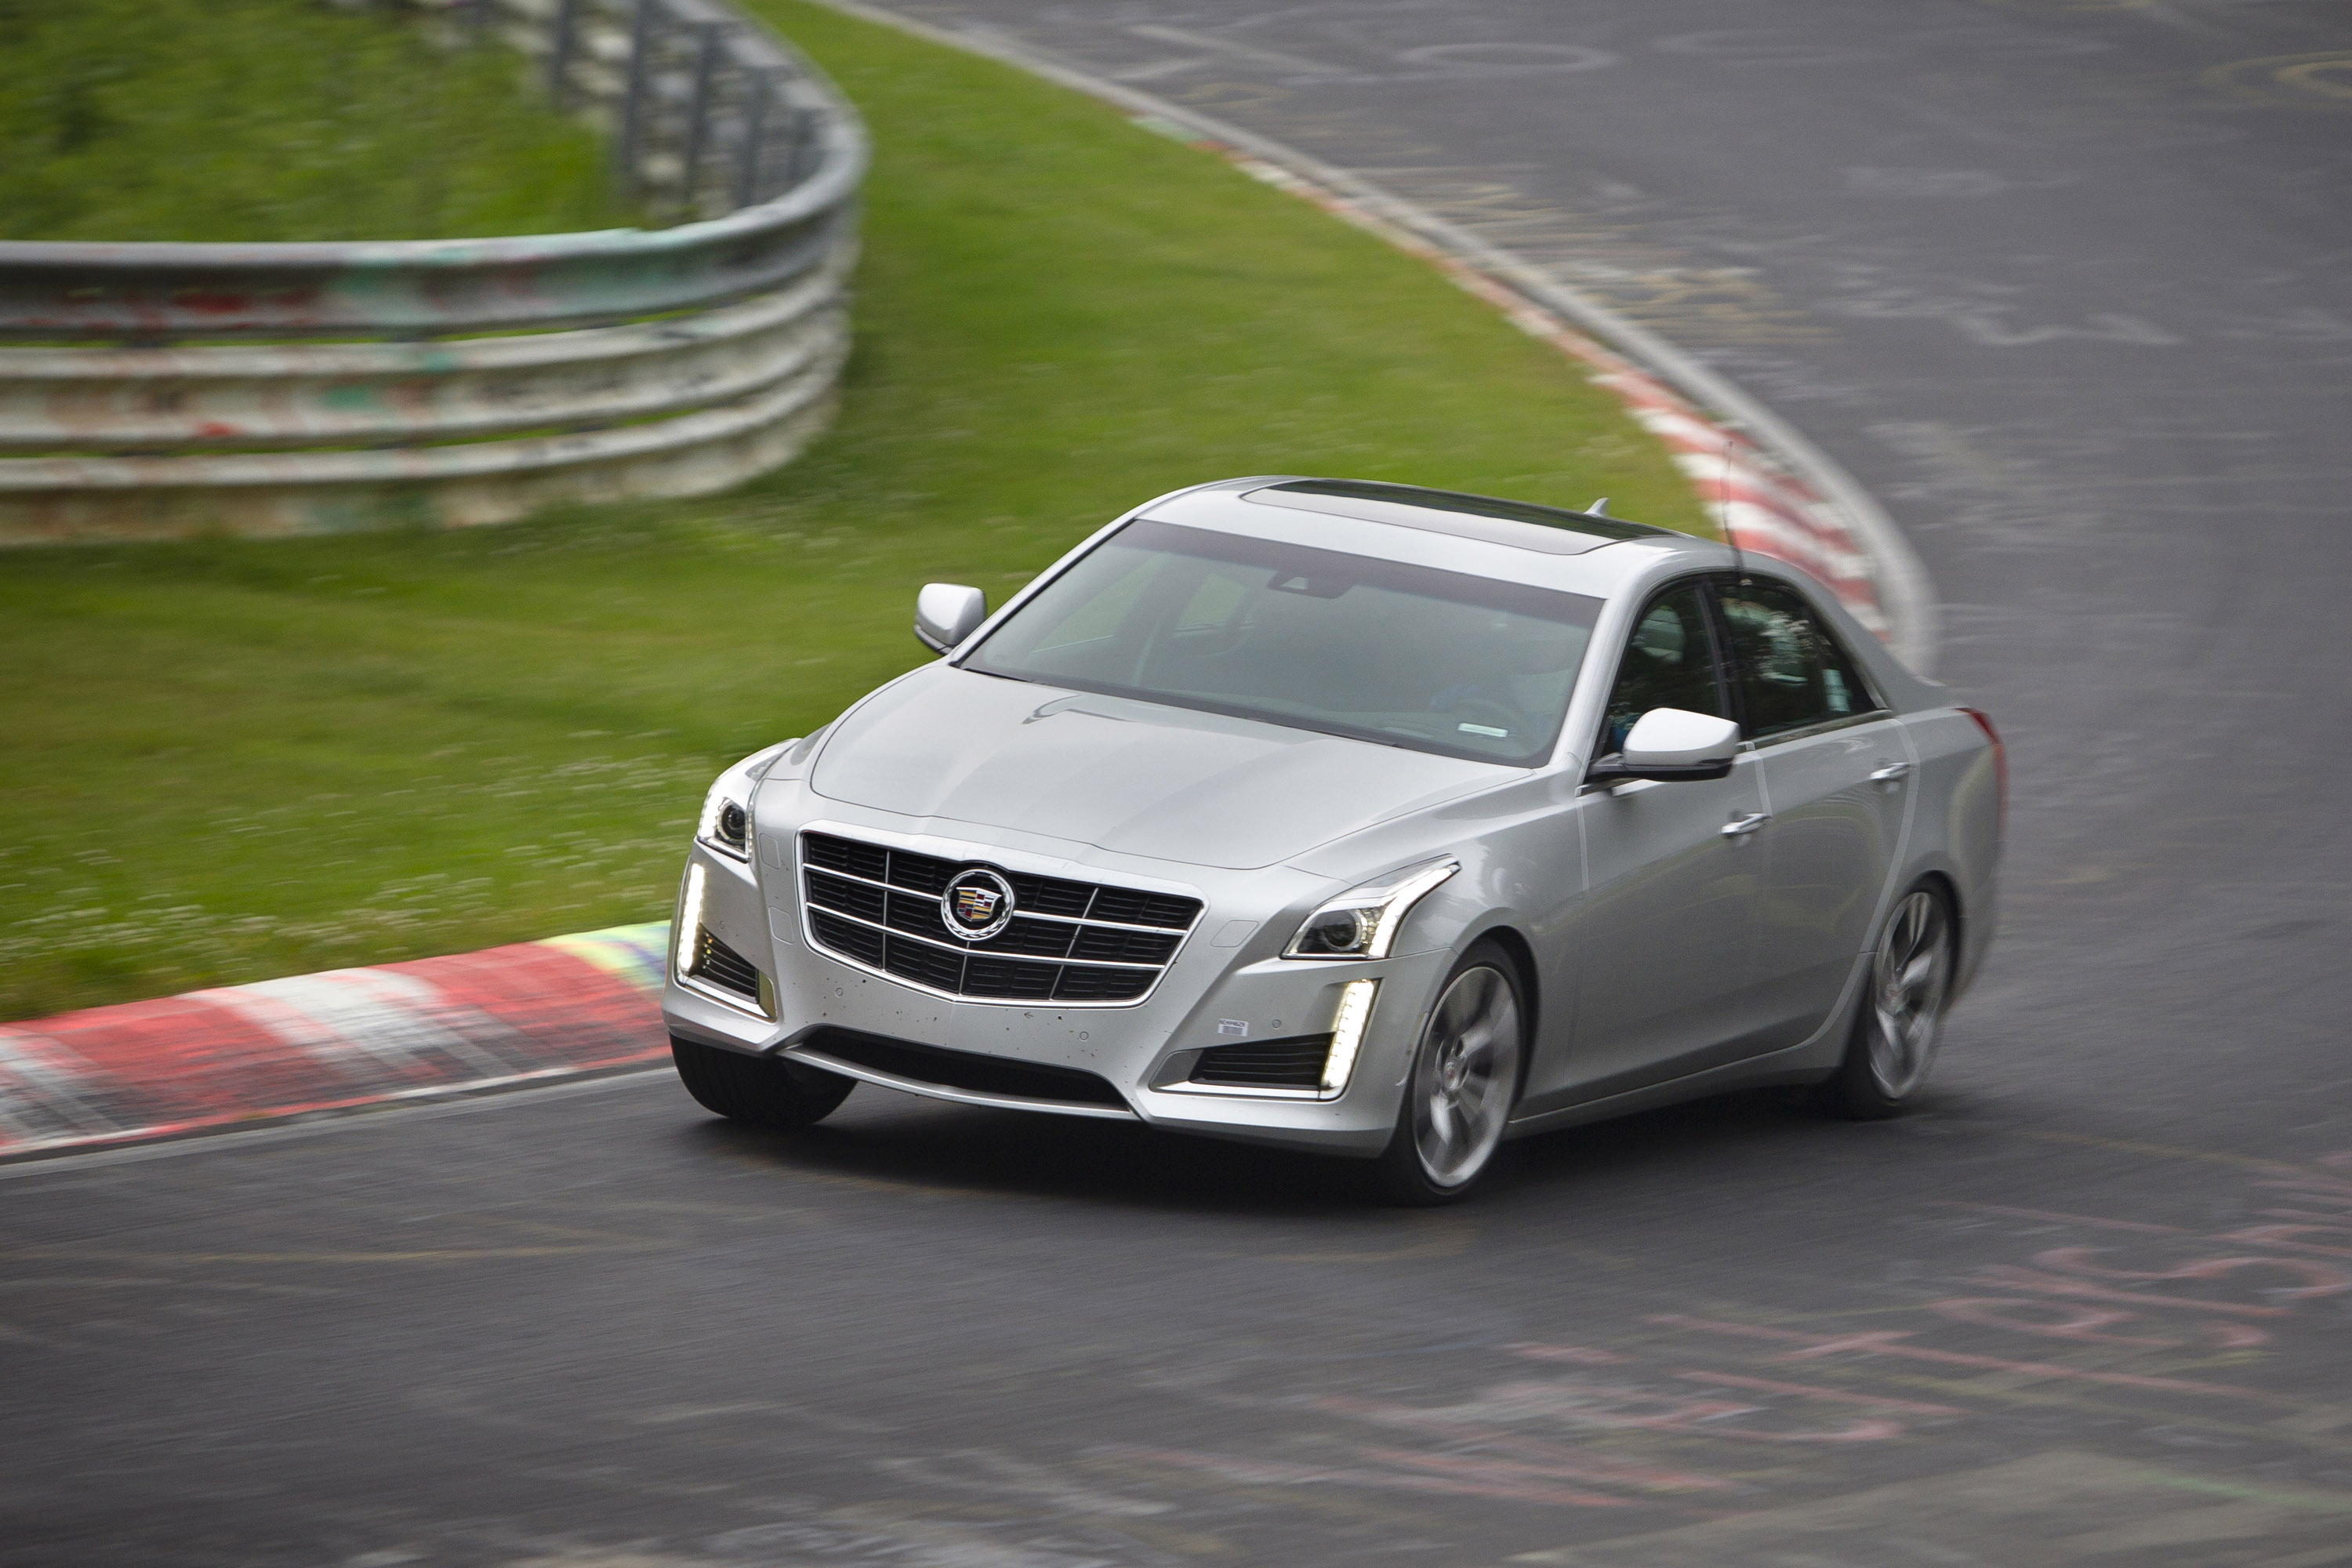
726	821
1364	923
726	824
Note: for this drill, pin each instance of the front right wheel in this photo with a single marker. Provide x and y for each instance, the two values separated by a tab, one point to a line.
1901	1019
1464	1080
760	1090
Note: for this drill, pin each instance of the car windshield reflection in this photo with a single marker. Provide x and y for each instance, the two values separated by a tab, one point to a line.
1348	644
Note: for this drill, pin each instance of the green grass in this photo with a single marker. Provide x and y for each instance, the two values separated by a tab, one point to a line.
274	120
226	761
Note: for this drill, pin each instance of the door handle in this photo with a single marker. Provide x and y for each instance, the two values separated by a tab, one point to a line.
1892	772
1741	826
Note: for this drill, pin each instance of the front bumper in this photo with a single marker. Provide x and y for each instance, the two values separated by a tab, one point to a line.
1211	996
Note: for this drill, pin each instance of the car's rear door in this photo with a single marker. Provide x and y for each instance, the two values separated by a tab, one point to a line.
1837	773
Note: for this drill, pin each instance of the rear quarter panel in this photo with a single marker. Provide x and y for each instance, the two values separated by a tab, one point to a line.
1956	829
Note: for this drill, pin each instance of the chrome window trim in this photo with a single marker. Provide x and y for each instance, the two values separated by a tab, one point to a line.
1808	732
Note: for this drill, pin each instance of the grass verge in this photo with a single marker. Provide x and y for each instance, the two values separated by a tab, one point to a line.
227	760
275	119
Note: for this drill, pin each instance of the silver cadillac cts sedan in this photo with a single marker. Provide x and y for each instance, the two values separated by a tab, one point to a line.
1355	817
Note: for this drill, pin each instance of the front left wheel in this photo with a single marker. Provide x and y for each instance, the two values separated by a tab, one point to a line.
760	1090
1464	1083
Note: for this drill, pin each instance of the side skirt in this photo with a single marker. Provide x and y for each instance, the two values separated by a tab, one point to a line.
1808	1062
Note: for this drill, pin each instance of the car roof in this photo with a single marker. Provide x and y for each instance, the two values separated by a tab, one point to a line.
1486	535
1554	531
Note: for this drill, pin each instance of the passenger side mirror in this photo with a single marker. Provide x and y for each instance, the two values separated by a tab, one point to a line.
947	613
1672	743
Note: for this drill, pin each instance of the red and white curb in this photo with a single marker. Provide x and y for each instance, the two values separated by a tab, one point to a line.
240	1055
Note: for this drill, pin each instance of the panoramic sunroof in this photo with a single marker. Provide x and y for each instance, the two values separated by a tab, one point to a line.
1411	506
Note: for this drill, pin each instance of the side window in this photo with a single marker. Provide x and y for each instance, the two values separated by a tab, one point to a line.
1792	672
1669	663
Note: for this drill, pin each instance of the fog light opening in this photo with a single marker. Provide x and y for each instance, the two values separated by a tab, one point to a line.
1347	1033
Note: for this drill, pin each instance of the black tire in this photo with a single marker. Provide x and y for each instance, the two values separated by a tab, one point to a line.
1894	1041
1402	1175
760	1090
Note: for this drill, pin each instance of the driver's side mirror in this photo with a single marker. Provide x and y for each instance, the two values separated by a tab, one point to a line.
947	613
1672	743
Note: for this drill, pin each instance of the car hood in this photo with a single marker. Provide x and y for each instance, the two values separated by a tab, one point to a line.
1134	778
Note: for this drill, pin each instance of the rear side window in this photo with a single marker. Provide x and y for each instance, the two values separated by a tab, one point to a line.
1669	663
1792	672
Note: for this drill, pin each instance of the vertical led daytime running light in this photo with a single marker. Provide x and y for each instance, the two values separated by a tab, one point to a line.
690	923
1347	1033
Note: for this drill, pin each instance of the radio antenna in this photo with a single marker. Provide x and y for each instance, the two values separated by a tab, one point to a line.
1723	510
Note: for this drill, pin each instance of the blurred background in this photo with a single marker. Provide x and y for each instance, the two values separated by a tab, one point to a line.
385	604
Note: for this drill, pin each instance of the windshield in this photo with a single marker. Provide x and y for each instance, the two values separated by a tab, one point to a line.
1348	644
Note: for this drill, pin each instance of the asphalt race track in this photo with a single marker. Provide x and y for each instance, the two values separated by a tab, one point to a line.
2069	286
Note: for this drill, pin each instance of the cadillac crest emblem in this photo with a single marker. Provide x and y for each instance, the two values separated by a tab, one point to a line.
976	904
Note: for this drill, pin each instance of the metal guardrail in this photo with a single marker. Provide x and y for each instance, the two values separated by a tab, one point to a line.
629	362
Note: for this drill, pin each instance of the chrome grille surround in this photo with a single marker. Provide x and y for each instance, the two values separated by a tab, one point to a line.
876	907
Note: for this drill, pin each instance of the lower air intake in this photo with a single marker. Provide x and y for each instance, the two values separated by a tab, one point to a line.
1295	1063
717	964
966	1070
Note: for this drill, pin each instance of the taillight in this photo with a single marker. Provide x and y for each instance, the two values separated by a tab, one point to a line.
1999	762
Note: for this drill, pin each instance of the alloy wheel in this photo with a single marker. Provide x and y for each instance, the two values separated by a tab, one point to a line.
1909	980
1465	1075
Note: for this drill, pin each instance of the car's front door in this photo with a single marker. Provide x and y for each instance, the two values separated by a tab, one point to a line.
1836	774
1665	934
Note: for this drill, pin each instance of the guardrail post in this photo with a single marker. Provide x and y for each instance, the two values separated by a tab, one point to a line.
559	49
804	153
761	88
633	106
698	116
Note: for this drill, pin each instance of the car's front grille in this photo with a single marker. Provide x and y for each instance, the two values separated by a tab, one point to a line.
964	1069
1068	941
1266	1064
716	964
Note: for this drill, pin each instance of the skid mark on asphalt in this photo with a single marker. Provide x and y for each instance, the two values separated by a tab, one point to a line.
1983	313
1893	1343
1437	1235
998	1475
552	1240
2172	1151
1599	250
2083	1505
2127	1326
2313	81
